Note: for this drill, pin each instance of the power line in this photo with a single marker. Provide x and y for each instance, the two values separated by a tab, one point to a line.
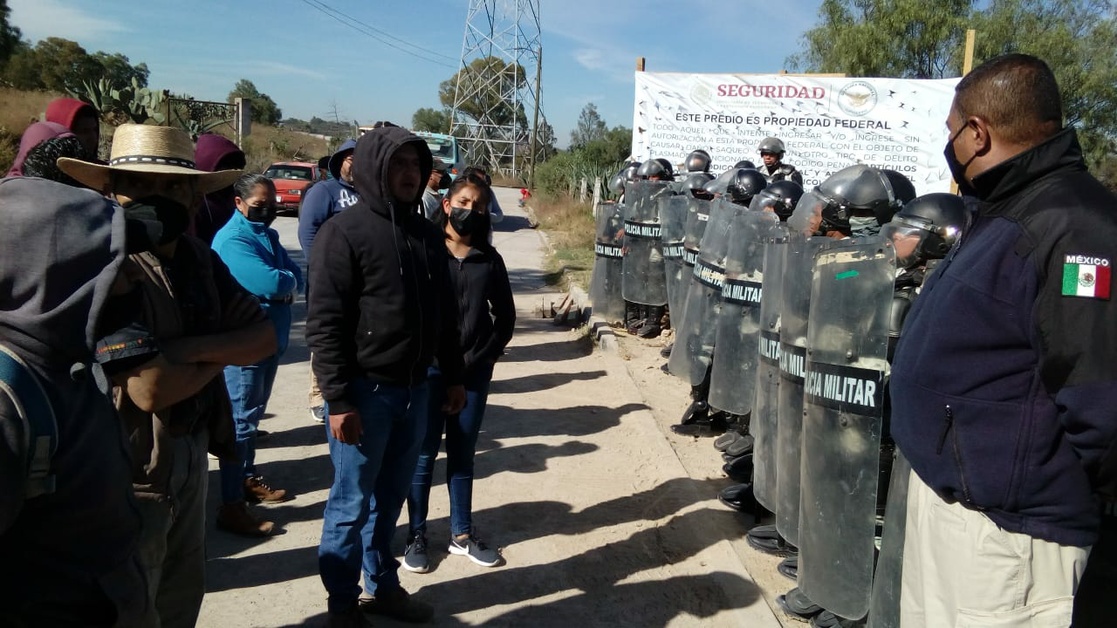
376	33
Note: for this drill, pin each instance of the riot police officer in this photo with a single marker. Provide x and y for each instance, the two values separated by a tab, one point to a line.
697	161
645	320
771	155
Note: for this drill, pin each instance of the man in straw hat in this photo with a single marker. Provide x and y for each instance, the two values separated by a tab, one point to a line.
175	409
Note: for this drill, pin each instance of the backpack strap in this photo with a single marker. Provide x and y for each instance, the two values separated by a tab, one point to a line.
33	406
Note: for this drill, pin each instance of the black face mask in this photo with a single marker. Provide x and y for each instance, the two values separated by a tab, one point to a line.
957	168
173	215
265	214
468	222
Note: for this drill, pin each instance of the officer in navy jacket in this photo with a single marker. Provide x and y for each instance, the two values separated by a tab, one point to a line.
1004	385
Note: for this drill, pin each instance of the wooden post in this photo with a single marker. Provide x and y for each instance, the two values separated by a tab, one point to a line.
967	61
582	190
640	64
596	194
967	65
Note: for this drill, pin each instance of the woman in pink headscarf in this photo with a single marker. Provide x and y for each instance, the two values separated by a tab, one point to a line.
34	135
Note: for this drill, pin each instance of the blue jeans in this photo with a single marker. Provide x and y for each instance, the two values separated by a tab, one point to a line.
249	390
461	445
370	484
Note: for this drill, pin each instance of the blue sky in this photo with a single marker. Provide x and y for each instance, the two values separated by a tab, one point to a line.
307	61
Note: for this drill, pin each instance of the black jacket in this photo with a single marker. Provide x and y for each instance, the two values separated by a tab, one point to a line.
380	304
486	311
1004	385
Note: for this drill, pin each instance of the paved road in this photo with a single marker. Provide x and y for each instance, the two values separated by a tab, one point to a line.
599	520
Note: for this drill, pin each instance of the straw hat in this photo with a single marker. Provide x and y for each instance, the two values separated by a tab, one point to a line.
147	148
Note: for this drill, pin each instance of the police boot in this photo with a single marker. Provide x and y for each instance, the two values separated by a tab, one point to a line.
651	327
739	497
789	567
712	425
741	442
767	539
739	468
797	605
632	317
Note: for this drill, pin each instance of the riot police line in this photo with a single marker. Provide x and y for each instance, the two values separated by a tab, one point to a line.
785	306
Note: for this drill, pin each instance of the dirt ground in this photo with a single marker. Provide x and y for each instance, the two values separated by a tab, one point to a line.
604	517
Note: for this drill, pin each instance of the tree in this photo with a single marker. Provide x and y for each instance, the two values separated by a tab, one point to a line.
54	64
119	71
431	120
590	127
264	109
918	39
10	41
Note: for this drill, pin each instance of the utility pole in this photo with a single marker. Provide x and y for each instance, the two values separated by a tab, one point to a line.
498	83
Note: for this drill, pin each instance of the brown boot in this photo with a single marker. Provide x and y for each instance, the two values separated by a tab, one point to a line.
257	491
236	518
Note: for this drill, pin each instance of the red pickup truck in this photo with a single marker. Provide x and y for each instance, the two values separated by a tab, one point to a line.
291	179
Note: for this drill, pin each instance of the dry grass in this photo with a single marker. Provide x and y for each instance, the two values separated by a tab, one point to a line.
570	228
17	110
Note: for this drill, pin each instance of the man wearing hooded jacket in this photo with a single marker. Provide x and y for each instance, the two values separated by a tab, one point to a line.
323	201
381	309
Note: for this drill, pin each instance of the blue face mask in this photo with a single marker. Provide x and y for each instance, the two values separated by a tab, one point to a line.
863	226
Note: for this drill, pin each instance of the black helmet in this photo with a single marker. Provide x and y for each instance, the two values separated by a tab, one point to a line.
902	187
667	168
857	191
652	168
744	185
771	145
695	184
926	228
744	163
630	171
779	197
697	161
616	184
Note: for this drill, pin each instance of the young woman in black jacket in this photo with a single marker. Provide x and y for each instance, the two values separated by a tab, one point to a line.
486	316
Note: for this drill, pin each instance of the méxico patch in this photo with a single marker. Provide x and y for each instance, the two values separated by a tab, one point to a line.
1086	276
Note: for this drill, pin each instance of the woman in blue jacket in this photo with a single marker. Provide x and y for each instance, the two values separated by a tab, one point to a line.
256	259
486	316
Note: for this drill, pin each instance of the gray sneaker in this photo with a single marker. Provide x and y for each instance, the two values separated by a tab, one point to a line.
318	414
415	556
476	550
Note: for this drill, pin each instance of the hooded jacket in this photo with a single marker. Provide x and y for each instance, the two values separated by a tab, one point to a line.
325	199
212	153
1004	383
381	304
71	552
65	110
486	311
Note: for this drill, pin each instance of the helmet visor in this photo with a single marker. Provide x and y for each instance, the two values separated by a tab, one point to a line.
807	217
907	240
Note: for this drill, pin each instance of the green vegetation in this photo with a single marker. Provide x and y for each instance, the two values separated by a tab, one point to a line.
264	109
918	39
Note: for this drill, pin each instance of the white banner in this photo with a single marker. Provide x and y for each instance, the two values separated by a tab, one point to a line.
826	123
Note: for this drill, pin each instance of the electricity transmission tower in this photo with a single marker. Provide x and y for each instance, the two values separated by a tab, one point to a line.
496	90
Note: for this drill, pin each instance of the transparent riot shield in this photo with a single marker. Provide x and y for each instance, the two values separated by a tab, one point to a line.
673	215
764	424
643	280
885	609
733	374
847	342
697	217
605	282
794	310
694	345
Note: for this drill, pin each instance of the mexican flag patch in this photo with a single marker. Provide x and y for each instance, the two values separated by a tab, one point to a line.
1085	276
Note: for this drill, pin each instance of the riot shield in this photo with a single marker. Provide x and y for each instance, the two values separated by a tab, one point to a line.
605	282
847	342
764	424
794	309
885	610
733	374
697	217
643	280
673	215
694	346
